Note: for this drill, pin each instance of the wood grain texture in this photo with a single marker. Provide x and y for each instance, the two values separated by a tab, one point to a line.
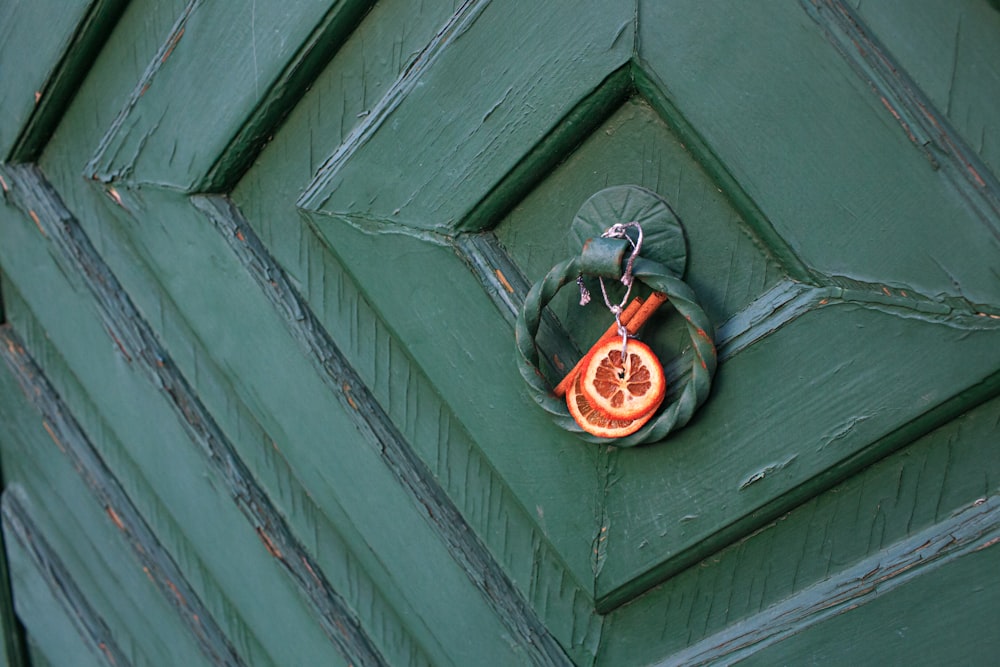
93	528
832	556
523	529
15	651
411	473
297	438
460	459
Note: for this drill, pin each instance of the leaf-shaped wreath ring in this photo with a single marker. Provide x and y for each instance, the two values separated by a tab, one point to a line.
657	263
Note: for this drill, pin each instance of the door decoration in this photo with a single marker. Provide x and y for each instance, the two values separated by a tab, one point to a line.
619	393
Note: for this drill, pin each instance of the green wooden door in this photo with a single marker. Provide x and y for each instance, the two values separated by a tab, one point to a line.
261	264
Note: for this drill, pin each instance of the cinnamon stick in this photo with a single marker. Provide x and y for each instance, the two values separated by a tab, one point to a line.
633	317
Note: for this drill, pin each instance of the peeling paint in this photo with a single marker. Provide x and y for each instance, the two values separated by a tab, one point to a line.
766	471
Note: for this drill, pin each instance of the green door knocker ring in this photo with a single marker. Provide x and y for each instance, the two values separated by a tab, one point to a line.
617	394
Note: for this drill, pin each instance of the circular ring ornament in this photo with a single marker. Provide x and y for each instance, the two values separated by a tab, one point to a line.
682	400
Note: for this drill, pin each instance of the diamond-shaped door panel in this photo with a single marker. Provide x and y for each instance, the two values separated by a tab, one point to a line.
634	146
795	311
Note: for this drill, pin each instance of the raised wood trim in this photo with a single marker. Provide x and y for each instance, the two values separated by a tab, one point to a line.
62	81
139	345
73	443
924	125
974	528
413	474
46	564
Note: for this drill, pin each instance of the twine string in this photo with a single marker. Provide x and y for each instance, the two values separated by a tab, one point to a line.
620	231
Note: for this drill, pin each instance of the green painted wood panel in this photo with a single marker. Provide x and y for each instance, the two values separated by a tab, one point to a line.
305	383
260	62
966	587
831	554
429	133
819	153
39	606
143	623
45	51
184	495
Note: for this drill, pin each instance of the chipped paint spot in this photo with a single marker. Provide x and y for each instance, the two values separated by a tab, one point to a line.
38	96
988	544
503	281
115	197
347	394
3	184
558	362
38	223
121	346
311	571
114	517
107	653
885	290
766	471
173	44
269	544
52	434
975	175
177	594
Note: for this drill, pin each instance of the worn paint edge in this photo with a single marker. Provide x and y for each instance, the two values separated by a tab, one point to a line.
88	623
284	93
924	125
971	529
94	169
65	79
138	341
63	428
413	475
318	191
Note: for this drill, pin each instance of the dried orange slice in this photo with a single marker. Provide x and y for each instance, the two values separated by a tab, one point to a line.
623	388
595	422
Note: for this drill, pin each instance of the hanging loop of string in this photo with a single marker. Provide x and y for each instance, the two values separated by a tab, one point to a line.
619	231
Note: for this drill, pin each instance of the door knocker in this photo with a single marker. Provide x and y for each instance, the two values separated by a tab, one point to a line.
618	392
